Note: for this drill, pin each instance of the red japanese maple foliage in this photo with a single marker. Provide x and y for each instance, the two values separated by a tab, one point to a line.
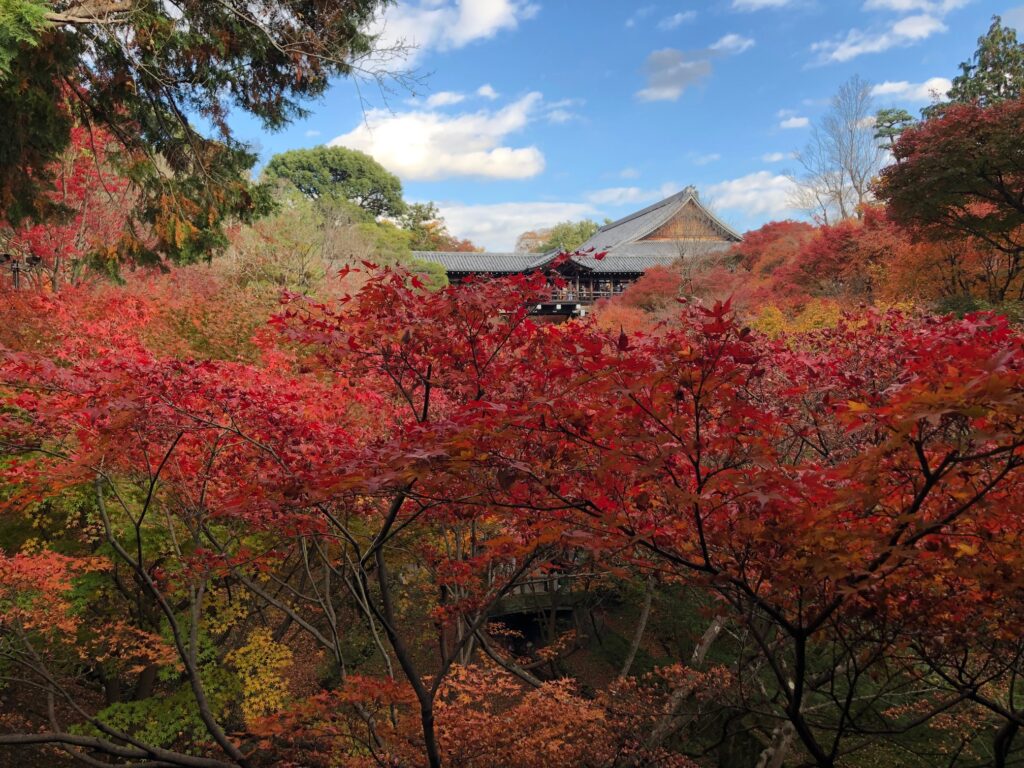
870	260
967	159
398	462
90	203
801	486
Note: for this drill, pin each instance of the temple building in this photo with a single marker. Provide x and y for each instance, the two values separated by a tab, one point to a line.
678	228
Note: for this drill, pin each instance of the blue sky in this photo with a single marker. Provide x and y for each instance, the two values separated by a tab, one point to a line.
531	112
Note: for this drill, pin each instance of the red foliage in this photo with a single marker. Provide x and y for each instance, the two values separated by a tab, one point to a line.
92	203
856	261
657	290
442	448
764	250
845	259
958	177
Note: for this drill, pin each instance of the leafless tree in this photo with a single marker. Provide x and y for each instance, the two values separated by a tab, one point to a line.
842	157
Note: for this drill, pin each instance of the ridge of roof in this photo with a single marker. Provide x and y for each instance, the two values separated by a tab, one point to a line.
642	223
677	197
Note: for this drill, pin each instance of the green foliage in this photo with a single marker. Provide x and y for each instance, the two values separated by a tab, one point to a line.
293	247
36	126
21	22
416	218
390	244
173	717
305	239
568	236
890	124
966	304
613	649
58	521
428	232
996	73
431	273
959	305
340	173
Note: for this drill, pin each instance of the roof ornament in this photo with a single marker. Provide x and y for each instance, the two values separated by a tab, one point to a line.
691	191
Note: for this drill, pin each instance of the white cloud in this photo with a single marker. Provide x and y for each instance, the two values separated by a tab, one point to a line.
446	24
707	159
629	173
933	89
1015	18
732	43
427	145
616	196
856	42
638	14
907	6
757	5
487	91
917	27
757	194
774	157
445	99
677	20
560	112
795	122
312	133
670	72
497	226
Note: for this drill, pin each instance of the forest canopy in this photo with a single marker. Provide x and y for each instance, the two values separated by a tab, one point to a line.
276	490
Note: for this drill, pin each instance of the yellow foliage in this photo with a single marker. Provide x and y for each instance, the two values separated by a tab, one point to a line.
770	321
817	314
260	664
907	306
226	609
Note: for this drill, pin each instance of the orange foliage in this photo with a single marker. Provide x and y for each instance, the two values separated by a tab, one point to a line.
34	592
613	315
487	718
188	312
652	298
869	260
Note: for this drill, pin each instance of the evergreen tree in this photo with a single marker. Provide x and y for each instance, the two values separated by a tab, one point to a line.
153	74
993	75
568	236
342	174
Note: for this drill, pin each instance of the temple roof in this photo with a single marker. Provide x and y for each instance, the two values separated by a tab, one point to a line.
493	263
623	242
635	227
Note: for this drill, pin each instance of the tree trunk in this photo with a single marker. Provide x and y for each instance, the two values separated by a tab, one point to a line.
638	636
145	684
775	753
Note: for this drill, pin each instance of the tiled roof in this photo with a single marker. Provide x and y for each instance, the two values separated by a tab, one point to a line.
642	223
637	258
493	263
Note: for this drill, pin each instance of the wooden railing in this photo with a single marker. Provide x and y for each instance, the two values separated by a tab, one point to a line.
551	592
583	295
